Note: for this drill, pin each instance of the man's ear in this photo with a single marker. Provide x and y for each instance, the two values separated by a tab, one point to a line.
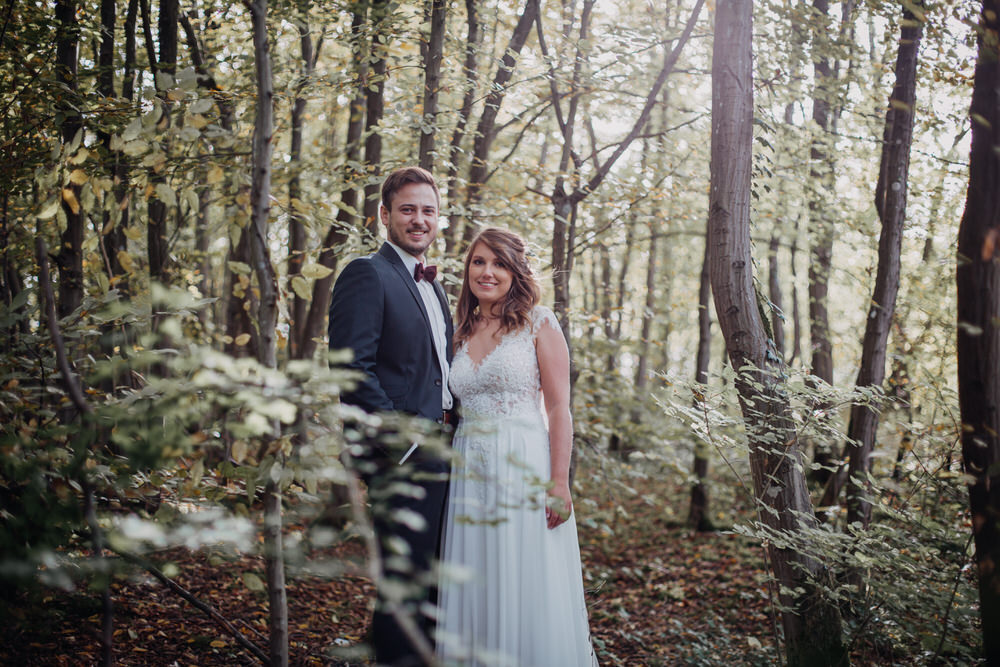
383	214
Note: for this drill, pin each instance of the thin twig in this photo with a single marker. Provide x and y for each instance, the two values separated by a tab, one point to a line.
207	609
65	367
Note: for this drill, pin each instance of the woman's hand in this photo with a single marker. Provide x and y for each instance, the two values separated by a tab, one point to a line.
558	505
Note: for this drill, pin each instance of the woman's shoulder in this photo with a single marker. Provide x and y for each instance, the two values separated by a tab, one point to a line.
543	315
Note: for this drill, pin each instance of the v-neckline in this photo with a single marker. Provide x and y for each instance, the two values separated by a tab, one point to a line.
477	365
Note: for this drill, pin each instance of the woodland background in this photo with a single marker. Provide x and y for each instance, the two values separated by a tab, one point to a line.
181	182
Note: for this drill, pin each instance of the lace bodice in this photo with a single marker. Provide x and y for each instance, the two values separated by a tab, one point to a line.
506	381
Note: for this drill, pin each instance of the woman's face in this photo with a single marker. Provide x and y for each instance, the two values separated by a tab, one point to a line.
489	277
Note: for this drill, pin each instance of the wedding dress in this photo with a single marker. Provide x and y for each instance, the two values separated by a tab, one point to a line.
512	590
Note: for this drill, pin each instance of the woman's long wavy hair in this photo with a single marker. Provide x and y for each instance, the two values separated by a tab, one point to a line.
524	293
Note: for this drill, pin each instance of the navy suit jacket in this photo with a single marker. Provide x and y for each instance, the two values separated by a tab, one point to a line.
377	311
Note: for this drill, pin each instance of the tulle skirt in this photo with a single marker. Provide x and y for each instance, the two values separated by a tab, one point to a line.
511	590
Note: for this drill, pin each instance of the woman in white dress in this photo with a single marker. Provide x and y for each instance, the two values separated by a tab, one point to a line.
512	588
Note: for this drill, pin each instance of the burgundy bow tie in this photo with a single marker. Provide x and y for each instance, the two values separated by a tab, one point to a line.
421	272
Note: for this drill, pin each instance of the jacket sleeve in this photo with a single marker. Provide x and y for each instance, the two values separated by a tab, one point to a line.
356	323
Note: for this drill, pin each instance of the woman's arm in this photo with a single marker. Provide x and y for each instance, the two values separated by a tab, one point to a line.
553	371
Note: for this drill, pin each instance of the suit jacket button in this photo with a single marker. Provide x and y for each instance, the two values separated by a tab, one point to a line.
437	383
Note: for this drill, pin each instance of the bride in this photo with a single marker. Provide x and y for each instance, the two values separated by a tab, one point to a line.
512	592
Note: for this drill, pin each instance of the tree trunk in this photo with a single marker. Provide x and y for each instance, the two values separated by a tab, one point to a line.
564	202
978	337
821	226
890	202
267	319
69	259
432	82
486	127
374	106
296	223
774	294
471	71
811	624
698	512
646	328
347	213
796	313
166	62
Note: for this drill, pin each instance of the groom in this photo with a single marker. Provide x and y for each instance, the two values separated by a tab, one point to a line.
389	309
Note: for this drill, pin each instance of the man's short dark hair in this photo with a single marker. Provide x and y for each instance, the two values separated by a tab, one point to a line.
404	176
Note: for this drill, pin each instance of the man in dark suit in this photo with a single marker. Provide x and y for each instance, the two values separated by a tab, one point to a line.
389	309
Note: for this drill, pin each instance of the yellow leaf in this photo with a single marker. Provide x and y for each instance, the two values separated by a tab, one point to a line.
239	451
316	271
78	177
80	156
175	95
125	260
50	210
70	198
197	121
243	339
215	174
133	233
218	643
301	287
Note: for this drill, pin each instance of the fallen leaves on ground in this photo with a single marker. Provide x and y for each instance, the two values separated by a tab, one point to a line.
658	595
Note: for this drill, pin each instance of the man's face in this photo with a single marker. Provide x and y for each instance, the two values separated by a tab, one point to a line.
412	224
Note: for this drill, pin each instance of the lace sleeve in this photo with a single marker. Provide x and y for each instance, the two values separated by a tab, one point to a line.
543	315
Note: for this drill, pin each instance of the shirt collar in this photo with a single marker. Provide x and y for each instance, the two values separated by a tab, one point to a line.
409	261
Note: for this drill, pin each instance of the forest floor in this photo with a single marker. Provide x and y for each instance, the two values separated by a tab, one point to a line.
658	594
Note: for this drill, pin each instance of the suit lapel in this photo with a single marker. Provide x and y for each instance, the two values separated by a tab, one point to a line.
411	285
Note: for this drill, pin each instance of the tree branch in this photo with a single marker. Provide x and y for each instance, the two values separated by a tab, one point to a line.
207	609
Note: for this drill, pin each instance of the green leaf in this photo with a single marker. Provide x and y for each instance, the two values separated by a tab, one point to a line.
253	582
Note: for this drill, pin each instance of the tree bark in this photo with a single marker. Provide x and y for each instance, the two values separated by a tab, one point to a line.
811	623
267	318
978	335
374	88
166	63
821	226
698	510
296	223
69	259
486	127
470	69
890	202
774	294
347	213
432	82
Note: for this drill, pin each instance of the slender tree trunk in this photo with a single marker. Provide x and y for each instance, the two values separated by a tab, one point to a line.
378	15
69	259
296	223
811	624
774	293
166	63
347	213
698	512
890	202
796	313
565	201
267	319
486	127
470	69
821	226
978	336
646	328
432	82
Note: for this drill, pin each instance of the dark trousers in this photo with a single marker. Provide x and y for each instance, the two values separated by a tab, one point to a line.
402	498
